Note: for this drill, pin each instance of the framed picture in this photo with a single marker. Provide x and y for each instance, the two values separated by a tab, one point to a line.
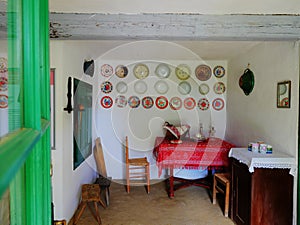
52	106
82	121
284	94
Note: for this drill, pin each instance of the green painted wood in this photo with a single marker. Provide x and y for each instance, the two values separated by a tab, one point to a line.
17	191
15	148
25	153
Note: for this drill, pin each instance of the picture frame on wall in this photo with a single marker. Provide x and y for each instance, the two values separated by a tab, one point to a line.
284	94
52	107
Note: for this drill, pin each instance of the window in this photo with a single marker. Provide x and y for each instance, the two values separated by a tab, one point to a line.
25	139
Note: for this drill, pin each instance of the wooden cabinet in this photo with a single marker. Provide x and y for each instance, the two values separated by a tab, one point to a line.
262	197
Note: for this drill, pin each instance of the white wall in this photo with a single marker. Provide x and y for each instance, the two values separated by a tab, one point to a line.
178	6
249	118
256	117
144	125
66	182
113	124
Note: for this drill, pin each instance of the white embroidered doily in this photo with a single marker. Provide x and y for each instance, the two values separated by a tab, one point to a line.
259	160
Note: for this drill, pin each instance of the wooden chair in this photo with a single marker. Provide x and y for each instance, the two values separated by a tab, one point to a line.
136	169
102	179
221	184
89	193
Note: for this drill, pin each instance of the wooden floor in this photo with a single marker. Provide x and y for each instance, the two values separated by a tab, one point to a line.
190	206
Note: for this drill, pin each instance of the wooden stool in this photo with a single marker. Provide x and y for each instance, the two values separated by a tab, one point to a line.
89	193
222	185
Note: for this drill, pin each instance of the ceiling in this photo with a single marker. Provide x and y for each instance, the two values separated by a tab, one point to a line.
210	36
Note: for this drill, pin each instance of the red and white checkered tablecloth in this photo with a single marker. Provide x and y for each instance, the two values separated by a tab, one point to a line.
191	154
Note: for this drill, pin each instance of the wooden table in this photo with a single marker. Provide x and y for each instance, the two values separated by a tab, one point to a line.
190	154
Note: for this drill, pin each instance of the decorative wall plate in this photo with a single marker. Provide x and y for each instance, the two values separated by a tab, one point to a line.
189	103
106	87
219	71
140	87
121	71
203	89
106	70
218	104
3	65
161	87
134	101
203	72
106	102
183	71
203	104
141	71
121	101
147	102
121	87
3	101
219	88
246	81
184	87
3	84
162	70
161	102
175	103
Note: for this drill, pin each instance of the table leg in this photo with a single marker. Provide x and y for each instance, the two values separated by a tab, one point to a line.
171	182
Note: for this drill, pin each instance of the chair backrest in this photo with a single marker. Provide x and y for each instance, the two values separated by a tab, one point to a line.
126	150
99	157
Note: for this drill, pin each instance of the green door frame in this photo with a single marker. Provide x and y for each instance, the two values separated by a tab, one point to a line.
25	153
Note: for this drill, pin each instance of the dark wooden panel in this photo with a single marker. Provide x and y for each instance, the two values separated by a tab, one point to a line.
272	197
241	194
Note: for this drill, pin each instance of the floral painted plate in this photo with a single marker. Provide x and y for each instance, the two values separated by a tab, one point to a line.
219	71
147	102
203	104
218	104
3	84
183	71
161	102
219	88
106	70
3	65
203	89
3	101
175	103
106	87
121	71
106	102
121	101
203	72
141	71
134	101
189	103
184	87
